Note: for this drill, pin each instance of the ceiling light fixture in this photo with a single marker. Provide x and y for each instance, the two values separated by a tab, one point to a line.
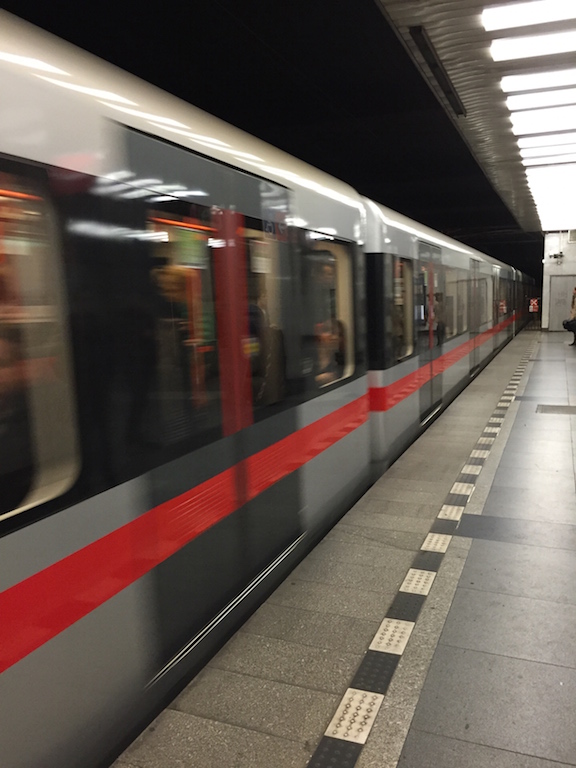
541	99
525	14
509	48
548	185
561	149
543	120
554	160
547	140
536	81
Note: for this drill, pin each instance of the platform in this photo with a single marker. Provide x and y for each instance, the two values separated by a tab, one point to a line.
434	626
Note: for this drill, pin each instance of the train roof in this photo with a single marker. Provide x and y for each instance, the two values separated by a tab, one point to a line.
27	51
106	94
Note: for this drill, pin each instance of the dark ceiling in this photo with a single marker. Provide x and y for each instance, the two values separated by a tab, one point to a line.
327	82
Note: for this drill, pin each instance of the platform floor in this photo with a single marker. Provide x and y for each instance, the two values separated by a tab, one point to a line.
468	663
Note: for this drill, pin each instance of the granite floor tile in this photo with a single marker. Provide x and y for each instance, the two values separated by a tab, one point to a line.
179	740
379	576
296	625
272	659
400	509
543	461
541	573
512	626
534	713
372	517
553	481
529	505
423	750
259	705
357	544
330	599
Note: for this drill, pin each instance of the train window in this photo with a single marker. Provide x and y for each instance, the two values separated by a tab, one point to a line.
403	309
483	299
187	354
456	302
329	308
264	281
38	445
462	300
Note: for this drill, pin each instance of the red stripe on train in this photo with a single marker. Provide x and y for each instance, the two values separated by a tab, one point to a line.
384	398
40	607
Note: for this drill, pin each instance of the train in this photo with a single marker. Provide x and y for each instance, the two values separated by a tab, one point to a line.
208	352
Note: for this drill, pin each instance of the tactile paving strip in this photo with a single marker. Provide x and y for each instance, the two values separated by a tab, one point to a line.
436	542
335	753
354	716
392	636
418	582
376	671
450	512
349	729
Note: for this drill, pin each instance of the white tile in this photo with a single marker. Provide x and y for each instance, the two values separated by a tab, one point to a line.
436	542
495	420
492	430
476	454
464	488
392	636
355	716
418	582
450	512
503	405
471	469
485	440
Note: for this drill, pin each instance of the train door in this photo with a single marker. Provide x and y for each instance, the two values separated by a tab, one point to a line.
430	323
561	287
474	317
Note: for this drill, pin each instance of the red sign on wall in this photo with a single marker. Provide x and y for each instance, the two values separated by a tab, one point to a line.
533	305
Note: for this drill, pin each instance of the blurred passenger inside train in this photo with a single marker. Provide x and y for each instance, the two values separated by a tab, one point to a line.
439	318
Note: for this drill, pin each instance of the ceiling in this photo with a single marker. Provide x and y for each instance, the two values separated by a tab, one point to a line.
337	86
474	99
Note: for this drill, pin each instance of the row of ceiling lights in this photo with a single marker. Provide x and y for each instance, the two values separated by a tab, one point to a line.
542	102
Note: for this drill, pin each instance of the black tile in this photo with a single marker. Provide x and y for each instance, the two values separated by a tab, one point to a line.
444	526
457	499
463	478
375	672
428	561
518	531
335	753
405	606
476	461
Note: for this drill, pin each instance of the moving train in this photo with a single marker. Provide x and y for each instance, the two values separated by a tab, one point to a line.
208	351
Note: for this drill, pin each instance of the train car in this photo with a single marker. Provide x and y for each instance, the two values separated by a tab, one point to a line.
437	312
185	403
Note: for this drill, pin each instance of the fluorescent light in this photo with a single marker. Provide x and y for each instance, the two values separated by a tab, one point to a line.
26	61
548	186
89	91
541	99
526	14
536	81
535	45
550	160
547	140
543	120
561	149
